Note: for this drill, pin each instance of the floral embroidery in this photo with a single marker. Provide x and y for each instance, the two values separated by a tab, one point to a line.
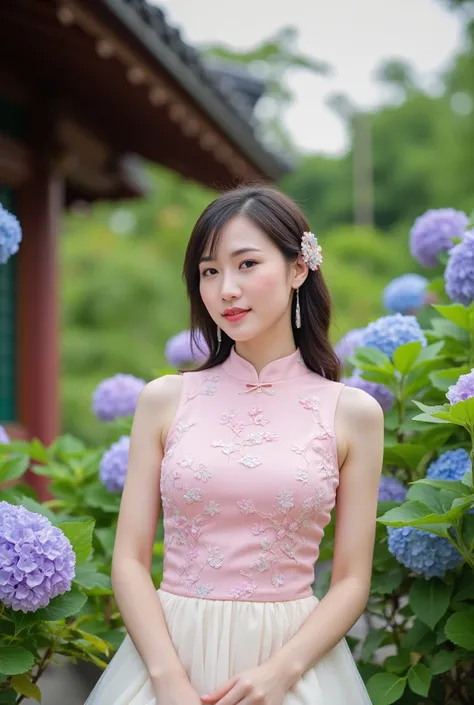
208	388
238	443
322	432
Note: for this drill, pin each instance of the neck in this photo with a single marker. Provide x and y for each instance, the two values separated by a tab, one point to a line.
260	353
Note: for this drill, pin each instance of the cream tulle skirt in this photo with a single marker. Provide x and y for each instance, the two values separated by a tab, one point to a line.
216	640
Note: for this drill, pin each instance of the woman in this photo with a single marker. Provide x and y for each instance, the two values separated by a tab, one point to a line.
246	455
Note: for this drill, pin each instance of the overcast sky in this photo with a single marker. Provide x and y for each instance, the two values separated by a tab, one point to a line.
354	36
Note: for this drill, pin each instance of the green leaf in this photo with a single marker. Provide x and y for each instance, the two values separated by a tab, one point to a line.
96	641
37	451
451	485
12	467
429	600
457	313
428	496
399	662
372	356
385	583
419	679
416	636
443	328
443	379
371	643
459	629
79	534
428	354
24	686
7	697
445	660
97	496
386	688
88	577
405	356
63	606
15	659
405	455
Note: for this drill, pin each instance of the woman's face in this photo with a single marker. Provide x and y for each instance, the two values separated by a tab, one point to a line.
247	287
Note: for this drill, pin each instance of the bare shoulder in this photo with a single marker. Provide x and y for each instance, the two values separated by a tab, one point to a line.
162	391
357	407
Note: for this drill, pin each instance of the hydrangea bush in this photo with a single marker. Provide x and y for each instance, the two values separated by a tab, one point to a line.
421	605
10	235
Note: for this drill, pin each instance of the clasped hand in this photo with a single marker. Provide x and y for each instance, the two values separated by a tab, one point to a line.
259	686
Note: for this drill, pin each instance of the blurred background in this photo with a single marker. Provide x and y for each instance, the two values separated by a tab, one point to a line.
120	120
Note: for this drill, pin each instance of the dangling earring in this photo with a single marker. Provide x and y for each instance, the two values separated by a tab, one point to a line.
298	310
219	338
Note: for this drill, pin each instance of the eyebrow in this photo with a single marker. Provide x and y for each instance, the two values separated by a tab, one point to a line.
235	253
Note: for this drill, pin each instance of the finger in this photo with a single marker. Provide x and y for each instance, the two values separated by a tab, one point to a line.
219	692
235	696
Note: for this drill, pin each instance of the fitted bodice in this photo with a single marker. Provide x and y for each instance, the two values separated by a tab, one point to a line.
248	480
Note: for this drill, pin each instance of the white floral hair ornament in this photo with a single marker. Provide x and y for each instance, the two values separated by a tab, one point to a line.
311	250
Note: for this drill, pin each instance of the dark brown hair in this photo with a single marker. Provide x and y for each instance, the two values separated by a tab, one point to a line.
284	224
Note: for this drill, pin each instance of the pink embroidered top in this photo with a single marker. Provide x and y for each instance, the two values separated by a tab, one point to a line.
248	480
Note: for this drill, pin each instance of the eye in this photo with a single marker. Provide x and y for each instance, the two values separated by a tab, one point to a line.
206	272
249	262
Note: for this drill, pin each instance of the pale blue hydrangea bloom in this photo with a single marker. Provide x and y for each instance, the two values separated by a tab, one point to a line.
10	234
3	436
181	349
380	392
459	272
113	465
348	343
405	294
433	232
37	562
391	488
390	332
116	396
463	389
451	465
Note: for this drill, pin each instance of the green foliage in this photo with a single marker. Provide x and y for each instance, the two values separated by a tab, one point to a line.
82	624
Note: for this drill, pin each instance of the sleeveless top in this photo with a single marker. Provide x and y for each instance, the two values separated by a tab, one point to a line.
248	480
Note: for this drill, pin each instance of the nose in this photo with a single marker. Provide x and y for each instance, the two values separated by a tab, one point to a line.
230	288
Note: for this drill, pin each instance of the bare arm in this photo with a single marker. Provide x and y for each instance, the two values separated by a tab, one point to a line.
134	591
360	420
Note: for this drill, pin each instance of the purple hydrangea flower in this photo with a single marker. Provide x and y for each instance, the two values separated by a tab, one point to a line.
113	465
10	234
391	489
405	294
380	392
3	436
459	272
390	332
422	552
462	390
117	396
181	349
451	465
347	344
433	233
37	562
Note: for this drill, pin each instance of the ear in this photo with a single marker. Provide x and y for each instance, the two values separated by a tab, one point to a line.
299	272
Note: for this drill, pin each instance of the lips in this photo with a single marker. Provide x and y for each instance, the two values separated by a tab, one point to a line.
235	314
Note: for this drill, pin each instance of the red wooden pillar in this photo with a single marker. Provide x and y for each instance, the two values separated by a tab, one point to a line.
40	207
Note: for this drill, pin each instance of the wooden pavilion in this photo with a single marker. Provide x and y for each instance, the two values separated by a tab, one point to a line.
88	88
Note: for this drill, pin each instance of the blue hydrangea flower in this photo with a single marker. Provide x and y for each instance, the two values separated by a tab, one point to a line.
10	234
117	396
459	272
424	553
451	465
380	392
113	465
37	562
391	489
389	332
347	344
3	436
182	350
433	233
462	390
405	294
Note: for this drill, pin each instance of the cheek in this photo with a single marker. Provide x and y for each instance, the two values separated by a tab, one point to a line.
269	280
